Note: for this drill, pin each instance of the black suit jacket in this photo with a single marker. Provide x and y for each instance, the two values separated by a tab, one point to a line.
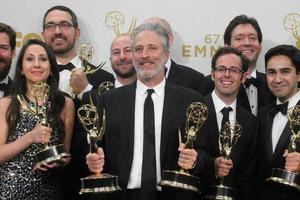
185	76
119	106
268	160
243	154
264	95
77	168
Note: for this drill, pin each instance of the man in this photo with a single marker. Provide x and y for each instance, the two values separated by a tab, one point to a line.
61	31
229	69
7	52
244	34
135	149
175	73
121	60
282	64
121	63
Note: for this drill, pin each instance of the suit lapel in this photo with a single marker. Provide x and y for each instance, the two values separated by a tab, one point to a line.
174	74
171	101
212	124
268	136
242	98
127	101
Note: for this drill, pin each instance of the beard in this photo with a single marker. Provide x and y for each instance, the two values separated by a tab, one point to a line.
5	69
124	75
148	74
62	50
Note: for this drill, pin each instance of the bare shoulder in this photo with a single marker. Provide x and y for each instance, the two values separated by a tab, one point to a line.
69	104
4	103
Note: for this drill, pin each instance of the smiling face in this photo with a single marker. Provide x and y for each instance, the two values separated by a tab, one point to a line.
244	37
6	55
121	56
35	64
282	77
62	38
149	56
227	83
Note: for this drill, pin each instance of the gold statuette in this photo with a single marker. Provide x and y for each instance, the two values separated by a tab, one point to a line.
89	118
228	137
50	154
196	115
282	176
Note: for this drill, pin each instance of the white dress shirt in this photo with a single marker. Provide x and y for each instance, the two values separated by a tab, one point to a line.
158	100
251	92
64	79
280	120
219	105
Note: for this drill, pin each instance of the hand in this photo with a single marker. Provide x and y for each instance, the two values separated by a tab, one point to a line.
187	157
292	161
95	161
45	166
222	166
40	134
78	81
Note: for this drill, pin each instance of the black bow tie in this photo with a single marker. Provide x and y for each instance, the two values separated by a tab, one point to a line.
3	87
68	66
279	108
251	80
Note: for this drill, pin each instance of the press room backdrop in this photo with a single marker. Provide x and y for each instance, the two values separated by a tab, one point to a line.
198	24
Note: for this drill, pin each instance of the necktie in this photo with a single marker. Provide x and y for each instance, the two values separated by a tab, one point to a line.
148	183
69	66
279	108
251	80
225	111
3	87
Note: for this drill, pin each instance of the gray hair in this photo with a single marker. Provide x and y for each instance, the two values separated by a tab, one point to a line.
158	29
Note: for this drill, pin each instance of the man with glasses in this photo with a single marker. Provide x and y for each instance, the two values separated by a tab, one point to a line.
244	34
61	31
229	68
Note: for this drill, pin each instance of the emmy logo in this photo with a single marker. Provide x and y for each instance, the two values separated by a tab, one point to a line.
291	23
115	19
196	115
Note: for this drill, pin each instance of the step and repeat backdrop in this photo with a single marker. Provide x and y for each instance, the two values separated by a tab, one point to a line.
198	25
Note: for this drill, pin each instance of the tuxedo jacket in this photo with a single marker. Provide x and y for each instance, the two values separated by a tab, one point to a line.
77	168
264	95
267	159
9	86
118	141
243	154
185	76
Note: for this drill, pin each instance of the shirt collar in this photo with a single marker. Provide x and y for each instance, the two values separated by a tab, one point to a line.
75	61
292	101
5	80
219	104
253	74
158	89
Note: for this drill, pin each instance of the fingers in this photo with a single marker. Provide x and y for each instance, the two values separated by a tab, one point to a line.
292	161
223	166
187	158
78	80
40	134
95	161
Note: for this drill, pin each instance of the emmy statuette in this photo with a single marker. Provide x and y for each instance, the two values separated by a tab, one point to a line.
50	154
282	176
196	114
228	137
89	118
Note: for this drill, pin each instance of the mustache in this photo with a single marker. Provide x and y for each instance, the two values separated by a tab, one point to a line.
58	37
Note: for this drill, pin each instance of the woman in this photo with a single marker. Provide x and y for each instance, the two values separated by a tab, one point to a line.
22	135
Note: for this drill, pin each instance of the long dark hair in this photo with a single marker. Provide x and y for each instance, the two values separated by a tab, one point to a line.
56	97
